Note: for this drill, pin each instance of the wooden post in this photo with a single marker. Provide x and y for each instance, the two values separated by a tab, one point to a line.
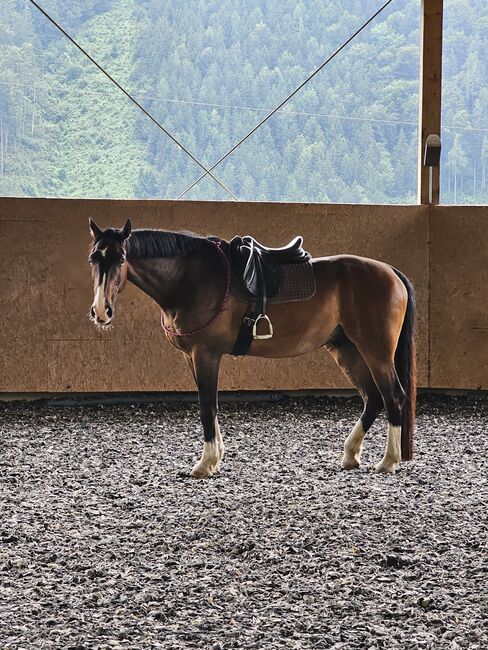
430	92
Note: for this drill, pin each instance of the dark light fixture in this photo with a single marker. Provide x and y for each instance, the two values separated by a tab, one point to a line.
432	156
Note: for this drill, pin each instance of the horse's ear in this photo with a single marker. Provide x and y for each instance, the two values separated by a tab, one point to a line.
126	230
96	232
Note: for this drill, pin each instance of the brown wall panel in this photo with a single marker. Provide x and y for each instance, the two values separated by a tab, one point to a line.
459	297
115	363
24	270
23	364
46	291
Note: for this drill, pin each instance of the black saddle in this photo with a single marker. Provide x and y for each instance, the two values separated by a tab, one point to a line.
289	254
259	269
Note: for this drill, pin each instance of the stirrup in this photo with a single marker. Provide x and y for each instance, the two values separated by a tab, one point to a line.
255	335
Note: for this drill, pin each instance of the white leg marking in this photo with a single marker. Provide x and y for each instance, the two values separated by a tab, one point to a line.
211	456
353	447
99	302
393	452
218	438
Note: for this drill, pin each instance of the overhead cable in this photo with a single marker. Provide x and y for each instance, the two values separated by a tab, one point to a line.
311	76
146	112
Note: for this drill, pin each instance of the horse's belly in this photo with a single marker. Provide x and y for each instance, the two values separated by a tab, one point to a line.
299	327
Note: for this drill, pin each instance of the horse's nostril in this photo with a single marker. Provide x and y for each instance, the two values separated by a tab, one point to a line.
92	312
109	312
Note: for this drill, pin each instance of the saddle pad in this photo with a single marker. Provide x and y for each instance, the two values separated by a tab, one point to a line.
297	282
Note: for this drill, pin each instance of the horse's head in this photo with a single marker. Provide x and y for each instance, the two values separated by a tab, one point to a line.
109	269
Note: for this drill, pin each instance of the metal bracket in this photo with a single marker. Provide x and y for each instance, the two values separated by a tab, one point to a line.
432	156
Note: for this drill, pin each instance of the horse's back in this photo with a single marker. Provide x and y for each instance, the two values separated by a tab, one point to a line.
345	269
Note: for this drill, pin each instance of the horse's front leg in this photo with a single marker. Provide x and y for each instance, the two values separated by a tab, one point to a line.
206	371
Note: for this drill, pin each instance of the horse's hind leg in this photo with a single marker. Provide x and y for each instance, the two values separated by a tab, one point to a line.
353	444
374	322
205	367
393	396
356	370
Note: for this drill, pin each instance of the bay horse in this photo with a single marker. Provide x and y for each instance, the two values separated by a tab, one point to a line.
362	312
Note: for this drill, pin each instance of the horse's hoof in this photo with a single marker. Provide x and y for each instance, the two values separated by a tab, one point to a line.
210	460
350	463
385	468
203	470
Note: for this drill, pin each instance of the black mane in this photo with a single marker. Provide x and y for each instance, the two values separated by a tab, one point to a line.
147	243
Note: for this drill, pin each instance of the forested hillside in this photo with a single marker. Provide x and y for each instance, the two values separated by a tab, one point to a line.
209	70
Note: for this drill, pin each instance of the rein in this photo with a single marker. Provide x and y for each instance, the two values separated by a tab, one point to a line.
221	308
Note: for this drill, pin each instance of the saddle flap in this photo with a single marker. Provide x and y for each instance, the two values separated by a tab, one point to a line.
254	268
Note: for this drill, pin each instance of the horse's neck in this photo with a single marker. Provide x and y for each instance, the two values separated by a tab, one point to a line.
159	278
174	283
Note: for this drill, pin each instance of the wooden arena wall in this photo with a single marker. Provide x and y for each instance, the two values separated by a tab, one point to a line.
49	345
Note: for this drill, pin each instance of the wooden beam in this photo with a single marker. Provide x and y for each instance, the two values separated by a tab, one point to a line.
430	92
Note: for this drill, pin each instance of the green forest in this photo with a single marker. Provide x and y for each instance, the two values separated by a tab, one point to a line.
209	71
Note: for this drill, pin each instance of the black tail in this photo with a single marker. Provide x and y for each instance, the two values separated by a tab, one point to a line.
406	367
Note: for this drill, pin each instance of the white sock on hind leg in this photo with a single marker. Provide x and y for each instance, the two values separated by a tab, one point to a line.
393	452
353	447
